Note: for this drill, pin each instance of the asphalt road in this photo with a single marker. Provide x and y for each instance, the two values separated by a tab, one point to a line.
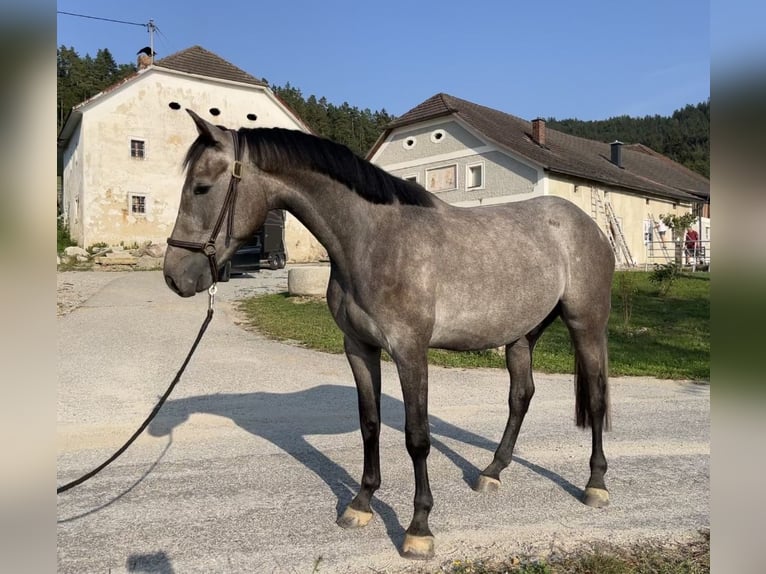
258	449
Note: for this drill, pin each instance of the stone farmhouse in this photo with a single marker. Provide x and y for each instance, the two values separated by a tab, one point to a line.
472	155
122	153
122	149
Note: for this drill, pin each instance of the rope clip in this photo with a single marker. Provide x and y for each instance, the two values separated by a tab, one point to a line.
211	295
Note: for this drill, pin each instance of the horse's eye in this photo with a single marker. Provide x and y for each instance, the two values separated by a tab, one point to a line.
201	189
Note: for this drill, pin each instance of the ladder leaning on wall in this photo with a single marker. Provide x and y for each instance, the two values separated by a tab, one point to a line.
600	206
656	229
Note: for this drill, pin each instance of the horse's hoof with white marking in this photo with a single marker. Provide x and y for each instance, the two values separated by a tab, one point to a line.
352	518
418	547
486	484
596	497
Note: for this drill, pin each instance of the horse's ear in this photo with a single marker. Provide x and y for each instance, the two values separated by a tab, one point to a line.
205	128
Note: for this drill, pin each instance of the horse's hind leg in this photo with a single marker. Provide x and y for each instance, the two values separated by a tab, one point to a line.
585	308
365	365
518	359
592	405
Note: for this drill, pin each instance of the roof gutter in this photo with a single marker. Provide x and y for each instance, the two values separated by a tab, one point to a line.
670	193
261	85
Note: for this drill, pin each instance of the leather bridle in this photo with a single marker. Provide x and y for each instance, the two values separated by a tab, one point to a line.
229	203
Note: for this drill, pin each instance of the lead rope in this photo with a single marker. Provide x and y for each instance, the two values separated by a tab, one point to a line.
211	300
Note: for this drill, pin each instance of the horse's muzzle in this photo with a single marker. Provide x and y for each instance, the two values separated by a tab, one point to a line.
186	273
182	290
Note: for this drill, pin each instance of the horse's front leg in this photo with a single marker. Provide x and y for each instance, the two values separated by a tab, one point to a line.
413	375
365	365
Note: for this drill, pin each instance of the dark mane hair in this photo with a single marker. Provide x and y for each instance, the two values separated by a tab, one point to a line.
278	150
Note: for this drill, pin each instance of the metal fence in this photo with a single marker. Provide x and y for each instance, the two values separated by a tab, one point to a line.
691	255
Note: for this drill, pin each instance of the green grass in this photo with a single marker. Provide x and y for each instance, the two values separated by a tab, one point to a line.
643	558
665	337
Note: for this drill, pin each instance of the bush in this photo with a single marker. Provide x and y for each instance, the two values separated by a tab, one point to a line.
664	276
63	239
626	289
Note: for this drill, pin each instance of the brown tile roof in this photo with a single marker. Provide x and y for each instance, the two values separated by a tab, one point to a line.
642	169
197	60
194	60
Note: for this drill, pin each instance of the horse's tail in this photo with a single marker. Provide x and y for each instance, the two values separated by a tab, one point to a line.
587	382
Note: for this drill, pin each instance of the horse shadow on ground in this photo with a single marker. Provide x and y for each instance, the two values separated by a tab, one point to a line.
286	419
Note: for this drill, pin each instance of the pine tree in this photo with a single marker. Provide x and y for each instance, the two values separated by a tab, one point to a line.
81	78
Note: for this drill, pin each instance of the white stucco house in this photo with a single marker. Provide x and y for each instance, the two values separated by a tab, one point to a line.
472	155
122	149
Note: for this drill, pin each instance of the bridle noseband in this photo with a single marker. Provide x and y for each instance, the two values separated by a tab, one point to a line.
208	248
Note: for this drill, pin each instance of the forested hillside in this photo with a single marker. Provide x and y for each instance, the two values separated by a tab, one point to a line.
684	136
346	124
81	78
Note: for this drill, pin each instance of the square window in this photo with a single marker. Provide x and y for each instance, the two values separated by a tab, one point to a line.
137	149
138	204
441	178
412	178
474	178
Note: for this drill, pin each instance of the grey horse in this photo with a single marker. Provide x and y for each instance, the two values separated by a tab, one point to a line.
409	272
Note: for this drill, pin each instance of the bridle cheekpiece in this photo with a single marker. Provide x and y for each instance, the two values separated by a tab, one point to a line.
229	203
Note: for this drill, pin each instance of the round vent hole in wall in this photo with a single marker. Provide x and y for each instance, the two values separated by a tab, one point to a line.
252	117
174	106
215	112
438	136
409	143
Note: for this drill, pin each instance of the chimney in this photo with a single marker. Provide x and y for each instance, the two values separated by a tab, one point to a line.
538	131
616	153
145	57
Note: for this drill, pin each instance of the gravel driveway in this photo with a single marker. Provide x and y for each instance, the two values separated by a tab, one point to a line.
73	288
257	450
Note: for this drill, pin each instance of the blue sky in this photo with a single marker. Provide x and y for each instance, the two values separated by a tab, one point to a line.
551	58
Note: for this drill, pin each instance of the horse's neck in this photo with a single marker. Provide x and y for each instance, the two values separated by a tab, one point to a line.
339	218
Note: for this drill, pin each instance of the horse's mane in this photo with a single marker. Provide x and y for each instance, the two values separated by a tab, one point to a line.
279	150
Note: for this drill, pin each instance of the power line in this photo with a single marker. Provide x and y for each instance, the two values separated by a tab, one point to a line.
150	26
143	25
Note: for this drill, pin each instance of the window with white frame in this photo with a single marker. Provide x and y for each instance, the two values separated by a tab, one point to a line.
441	178
137	148
138	204
474	176
411	177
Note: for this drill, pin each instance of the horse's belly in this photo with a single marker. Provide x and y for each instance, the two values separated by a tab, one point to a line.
469	340
464	327
473	332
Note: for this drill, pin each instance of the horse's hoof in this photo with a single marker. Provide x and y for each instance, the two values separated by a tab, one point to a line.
352	518
596	497
486	484
418	547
